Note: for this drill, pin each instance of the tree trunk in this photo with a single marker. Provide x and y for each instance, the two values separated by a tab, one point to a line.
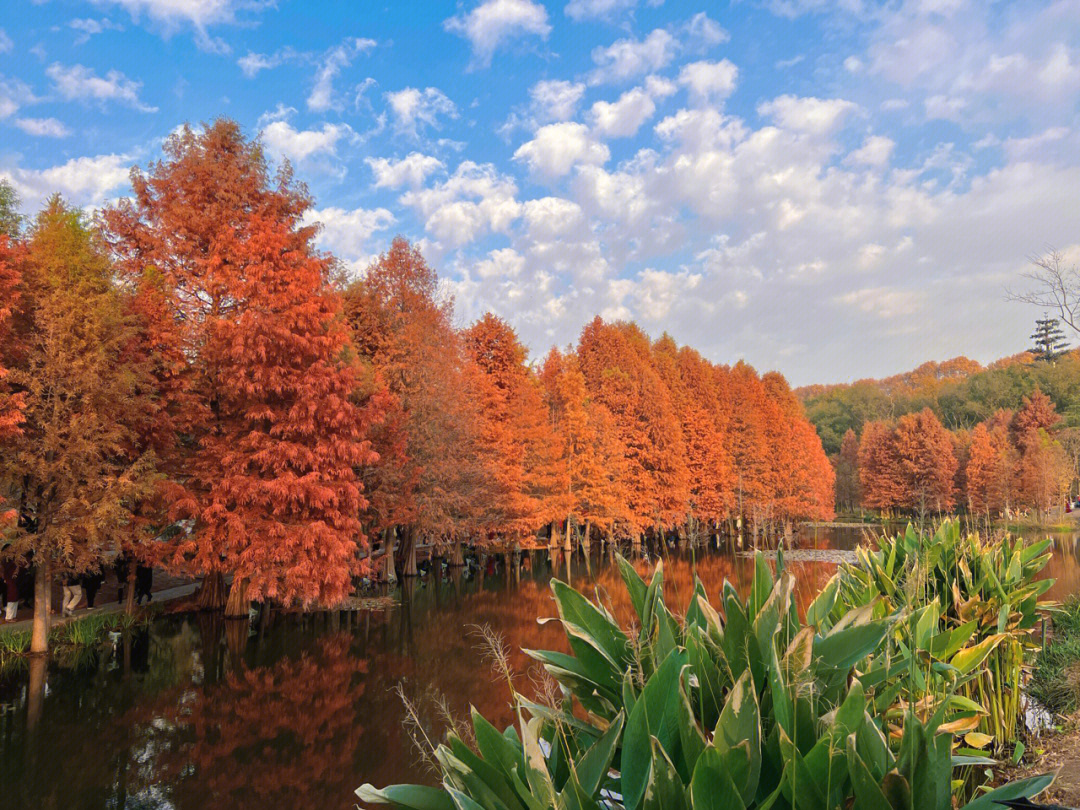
567	546
39	638
389	574
129	592
457	556
238	604
211	592
35	698
405	557
637	546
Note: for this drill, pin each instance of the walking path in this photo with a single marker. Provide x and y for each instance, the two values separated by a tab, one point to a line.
112	606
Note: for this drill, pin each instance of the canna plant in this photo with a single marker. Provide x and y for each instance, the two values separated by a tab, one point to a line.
982	595
749	709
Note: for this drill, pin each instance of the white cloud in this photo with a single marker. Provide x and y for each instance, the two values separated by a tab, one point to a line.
171	15
413	108
253	63
502	263
495	22
13	95
853	64
945	108
5	42
79	83
90	27
703	33
596	9
81	181
347	233
875	151
283	140
883	302
623	117
333	61
815	116
473	200
709	80
43	127
557	148
410	171
556	99
628	58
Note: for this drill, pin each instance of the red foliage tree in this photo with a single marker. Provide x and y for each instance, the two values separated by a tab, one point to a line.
269	470
879	468
848	494
926	462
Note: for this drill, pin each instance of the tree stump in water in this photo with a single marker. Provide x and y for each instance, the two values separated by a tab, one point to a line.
211	592
238	604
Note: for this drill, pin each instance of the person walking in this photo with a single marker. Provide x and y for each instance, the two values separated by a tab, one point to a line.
91	583
72	594
144	581
122	568
10	573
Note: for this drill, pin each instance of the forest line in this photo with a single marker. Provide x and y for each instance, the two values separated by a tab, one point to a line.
188	380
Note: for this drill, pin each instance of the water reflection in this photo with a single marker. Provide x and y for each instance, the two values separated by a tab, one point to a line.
298	710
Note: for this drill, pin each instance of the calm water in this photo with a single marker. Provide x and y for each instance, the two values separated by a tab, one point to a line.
192	713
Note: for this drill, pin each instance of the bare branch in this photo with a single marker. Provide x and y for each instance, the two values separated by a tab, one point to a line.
1055	286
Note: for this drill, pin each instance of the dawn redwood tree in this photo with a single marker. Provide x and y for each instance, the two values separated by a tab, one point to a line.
847	472
991	469
1036	413
437	484
750	437
268	472
589	448
927	463
1043	472
616	363
528	471
879	468
67	470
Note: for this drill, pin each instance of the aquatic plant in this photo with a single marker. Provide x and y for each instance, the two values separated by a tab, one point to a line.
964	598
1055	677
752	709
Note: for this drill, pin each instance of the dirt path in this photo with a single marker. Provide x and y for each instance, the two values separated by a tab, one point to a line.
1055	752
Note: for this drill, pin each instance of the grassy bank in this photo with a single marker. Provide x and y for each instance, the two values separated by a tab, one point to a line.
1055	680
72	635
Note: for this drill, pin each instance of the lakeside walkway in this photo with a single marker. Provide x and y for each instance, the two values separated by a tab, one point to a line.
169	593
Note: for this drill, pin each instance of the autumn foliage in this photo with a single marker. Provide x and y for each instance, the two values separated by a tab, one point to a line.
188	379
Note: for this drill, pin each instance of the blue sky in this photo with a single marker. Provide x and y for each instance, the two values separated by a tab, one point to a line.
833	190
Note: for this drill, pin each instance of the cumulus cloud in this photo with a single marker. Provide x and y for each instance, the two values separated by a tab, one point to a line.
557	148
412	109
629	58
501	263
875	151
474	200
556	99
410	171
347	232
79	83
493	23
83	181
622	118
301	145
89	27
332	63
815	116
13	95
252	63
709	81
43	127
5	42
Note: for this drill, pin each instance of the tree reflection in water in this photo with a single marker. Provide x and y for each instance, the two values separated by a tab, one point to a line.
298	710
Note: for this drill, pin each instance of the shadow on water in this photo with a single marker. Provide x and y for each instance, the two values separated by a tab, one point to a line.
298	710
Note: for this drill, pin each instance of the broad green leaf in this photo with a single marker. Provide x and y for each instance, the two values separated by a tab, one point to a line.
655	714
409	797
711	787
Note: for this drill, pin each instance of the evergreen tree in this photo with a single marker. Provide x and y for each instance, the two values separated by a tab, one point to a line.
1049	339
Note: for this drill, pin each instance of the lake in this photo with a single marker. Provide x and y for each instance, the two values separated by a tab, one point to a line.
193	712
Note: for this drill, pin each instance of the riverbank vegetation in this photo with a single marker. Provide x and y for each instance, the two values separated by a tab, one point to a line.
875	699
1055	680
187	380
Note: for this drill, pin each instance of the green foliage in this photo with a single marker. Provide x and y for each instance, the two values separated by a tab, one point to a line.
752	709
1055	679
968	605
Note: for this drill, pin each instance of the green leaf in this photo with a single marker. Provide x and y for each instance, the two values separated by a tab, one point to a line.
664	790
711	787
844	647
593	765
635	585
1022	788
655	714
410	797
740	722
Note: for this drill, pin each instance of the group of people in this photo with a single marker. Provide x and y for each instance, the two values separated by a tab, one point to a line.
17	585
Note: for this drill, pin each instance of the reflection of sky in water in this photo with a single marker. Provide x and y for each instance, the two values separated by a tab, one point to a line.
175	718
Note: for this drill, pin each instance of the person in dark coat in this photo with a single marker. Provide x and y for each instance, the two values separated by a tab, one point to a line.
122	568
144	581
91	582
